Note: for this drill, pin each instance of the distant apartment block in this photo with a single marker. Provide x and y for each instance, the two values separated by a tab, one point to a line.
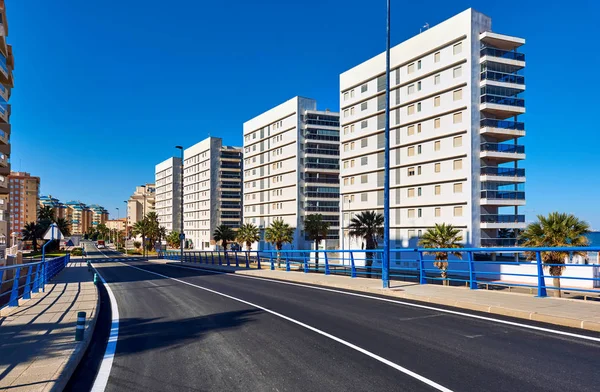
212	190
99	214
52	202
456	97
6	85
140	203
116	224
168	193
24	200
291	169
79	216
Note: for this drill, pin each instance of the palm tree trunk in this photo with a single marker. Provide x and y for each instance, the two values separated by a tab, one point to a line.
556	282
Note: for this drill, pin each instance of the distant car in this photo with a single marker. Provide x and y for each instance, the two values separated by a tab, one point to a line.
100	244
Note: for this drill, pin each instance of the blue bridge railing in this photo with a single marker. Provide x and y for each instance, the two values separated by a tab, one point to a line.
473	267
21	280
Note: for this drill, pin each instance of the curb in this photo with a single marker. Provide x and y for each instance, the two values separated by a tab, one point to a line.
587	325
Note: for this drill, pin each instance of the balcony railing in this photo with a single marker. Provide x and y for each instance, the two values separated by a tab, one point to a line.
503	124
494	218
503	195
321	209
326	166
322	137
502	171
487	242
323	195
322	180
322	151
505	54
3	63
500	100
502	77
505	148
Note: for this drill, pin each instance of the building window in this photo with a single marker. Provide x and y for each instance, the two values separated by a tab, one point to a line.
352	163
419	128
352	111
345	130
436	79
458	164
458	211
419	107
410	89
457	72
346	95
436	57
438	212
364	142
437	190
364	161
419	64
411	213
419	170
411	130
436	123
411	192
411	234
364	197
436	101
364	88
352	146
345	112
352	93
411	151
410	109
457	48
345	181
346	164
419	213
411	171
352	128
346	147
419	149
457	141
437	145
457	95
457	118
364	124
364	179
363	106
458	187
419	191
411	68
438	167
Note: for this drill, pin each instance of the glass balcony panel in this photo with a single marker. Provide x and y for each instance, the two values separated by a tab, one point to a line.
498	242
505	148
495	218
500	100
503	124
502	171
504	195
505	54
502	77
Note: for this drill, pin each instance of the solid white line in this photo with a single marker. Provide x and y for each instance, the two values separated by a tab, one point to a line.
454	312
320	332
105	367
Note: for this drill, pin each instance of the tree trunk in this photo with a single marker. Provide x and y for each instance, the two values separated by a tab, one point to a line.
556	282
278	256
316	256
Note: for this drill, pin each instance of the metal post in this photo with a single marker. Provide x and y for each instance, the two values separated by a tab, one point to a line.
257	260
326	264
126	221
27	289
422	275
271	260
287	263
80	328
14	294
353	267
541	280
385	273
305	264
472	277
247	260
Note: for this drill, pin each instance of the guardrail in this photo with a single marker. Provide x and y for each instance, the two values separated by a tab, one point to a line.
21	280
475	267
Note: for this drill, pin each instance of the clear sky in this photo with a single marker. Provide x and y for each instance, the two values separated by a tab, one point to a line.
104	90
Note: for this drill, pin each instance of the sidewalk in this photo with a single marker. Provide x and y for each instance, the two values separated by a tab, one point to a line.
38	351
560	311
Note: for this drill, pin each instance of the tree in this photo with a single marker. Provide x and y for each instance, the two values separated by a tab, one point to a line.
103	230
154	233
162	234
279	233
247	234
142	229
32	232
173	239
224	234
64	226
316	228
555	230
367	225
46	214
439	237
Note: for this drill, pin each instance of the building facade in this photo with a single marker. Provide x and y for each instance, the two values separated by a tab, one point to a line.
99	214
24	200
79	216
168	193
140	203
118	224
212	190
52	202
291	169
6	85
456	94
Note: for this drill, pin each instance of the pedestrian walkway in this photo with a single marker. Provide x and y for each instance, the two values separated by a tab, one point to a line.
559	311
38	351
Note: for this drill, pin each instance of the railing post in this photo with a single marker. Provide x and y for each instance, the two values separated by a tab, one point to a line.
27	289
43	277
422	276
36	281
212	257
226	257
271	260
472	277
247	260
237	262
541	280
305	264
352	266
287	263
14	294
326	263
219	256
258	260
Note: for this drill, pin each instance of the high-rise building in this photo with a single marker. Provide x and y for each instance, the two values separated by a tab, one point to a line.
79	216
99	214
140	203
291	169
455	101
24	200
167	176
52	202
6	84
212	190
118	224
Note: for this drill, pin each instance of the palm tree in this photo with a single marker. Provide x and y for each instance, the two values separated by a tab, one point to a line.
248	234
442	236
31	232
316	228
173	239
279	233
64	226
556	230
46	214
142	228
367	225
153	227
224	234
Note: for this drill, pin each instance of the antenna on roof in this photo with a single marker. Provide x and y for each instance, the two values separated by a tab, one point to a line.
425	27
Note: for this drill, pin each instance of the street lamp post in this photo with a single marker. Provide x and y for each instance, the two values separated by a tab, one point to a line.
385	273
126	221
181	235
144	217
117	234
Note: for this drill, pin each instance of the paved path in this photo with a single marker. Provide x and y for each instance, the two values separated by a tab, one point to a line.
37	339
183	329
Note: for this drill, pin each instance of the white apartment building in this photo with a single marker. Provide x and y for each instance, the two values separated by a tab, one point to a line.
291	169
212	182
167	176
140	203
456	95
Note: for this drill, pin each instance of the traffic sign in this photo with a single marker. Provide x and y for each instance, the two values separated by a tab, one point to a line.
181	237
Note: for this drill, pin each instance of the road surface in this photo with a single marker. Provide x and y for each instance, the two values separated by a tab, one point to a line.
183	329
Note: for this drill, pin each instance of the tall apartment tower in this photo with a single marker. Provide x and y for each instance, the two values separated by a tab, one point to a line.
52	202
212	190
291	169
167	175
6	83
24	200
455	100
99	214
79	216
140	203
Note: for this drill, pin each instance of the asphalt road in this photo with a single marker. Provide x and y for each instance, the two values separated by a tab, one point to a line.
176	336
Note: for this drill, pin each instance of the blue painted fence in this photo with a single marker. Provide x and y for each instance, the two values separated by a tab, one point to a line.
475	268
19	281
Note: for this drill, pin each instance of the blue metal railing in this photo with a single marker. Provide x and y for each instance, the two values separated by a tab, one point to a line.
504	124
19	281
476	266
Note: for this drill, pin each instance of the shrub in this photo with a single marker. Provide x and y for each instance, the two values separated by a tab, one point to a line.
77	252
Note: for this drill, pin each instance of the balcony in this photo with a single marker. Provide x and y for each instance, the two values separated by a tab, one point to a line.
503	79
501	53
502	198
322	151
321	209
498	242
502	106
4	92
321	180
3	182
502	130
4	160
501	152
494	221
322	166
501	174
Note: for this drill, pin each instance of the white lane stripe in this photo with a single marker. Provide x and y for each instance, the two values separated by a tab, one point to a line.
105	367
491	319
320	332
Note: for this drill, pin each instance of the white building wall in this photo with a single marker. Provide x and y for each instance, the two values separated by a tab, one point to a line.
167	179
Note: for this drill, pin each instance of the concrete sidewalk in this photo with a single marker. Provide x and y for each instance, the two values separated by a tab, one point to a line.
38	351
560	311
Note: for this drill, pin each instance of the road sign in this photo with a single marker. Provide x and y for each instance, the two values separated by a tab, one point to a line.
181	237
53	233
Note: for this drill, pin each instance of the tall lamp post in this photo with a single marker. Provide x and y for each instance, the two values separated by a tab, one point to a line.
117	234
385	267
126	221
181	235
144	217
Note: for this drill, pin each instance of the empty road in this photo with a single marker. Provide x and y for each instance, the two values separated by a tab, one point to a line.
183	329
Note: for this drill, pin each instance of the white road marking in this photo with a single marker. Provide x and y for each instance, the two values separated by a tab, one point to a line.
491	319
320	332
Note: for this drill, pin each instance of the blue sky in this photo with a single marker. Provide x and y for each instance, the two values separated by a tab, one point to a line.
104	90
